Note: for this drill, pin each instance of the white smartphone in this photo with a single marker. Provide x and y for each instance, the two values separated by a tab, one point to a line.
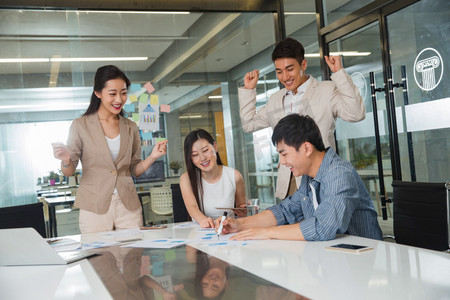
349	248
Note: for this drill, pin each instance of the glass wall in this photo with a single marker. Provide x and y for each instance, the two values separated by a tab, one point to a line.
423	111
48	59
337	9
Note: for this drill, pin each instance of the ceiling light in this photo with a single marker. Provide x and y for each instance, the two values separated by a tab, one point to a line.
190	117
21	60
76	59
298	13
134	12
214	97
342	53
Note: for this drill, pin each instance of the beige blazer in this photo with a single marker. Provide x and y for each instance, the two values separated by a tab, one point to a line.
100	174
323	101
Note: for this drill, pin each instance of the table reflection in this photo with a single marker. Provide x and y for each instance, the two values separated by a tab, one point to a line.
180	273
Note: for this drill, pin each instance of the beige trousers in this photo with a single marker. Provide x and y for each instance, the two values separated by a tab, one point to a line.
117	217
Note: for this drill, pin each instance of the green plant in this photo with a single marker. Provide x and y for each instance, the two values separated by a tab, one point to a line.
175	165
53	175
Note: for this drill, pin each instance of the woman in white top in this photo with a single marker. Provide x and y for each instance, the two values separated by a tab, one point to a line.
208	185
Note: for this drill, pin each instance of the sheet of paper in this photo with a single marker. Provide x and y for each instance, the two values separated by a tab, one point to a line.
129	107
149	87
133	98
164	108
158	243
143	98
187	225
209	236
121	233
154	99
64	244
135	87
98	244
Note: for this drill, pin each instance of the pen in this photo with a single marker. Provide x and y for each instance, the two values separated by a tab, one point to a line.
221	225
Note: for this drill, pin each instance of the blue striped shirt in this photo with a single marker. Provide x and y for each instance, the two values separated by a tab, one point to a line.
344	203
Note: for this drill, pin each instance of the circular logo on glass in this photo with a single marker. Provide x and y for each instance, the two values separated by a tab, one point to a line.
360	82
428	69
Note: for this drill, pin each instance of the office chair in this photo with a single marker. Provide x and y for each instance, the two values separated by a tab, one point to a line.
421	214
161	200
30	215
180	213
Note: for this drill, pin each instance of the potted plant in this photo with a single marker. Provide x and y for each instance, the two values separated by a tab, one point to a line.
53	176
175	165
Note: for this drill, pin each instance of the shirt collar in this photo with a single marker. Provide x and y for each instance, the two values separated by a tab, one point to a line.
324	166
302	88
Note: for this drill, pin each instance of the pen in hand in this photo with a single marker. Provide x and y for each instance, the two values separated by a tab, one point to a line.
219	231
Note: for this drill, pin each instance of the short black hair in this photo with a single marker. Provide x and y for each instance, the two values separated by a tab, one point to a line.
291	48
294	130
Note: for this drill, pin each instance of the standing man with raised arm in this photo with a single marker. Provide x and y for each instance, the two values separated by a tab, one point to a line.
302	94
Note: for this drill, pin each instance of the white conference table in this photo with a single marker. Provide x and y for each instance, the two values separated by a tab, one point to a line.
390	271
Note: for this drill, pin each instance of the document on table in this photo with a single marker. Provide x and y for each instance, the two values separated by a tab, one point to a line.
64	244
187	225
98	244
158	243
209	235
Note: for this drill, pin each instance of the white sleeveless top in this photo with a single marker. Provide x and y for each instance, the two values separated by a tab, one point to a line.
114	148
219	194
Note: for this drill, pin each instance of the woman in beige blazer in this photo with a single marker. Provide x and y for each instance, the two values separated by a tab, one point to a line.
322	101
109	148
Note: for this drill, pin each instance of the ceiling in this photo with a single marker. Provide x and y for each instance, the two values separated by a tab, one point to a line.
188	54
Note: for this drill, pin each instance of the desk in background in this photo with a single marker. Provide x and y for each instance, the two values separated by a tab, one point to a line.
51	204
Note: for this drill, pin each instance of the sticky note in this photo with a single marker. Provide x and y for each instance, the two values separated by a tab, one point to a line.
146	136
133	98
149	87
135	87
154	100
170	255
164	108
143	98
129	107
135	117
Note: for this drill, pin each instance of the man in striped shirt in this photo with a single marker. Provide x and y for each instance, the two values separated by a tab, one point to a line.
331	199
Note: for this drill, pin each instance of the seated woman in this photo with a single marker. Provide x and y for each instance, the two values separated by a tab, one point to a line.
207	184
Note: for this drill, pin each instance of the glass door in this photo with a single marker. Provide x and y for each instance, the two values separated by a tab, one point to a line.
409	136
357	142
419	44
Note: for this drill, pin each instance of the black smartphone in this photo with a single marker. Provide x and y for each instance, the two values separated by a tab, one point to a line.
349	248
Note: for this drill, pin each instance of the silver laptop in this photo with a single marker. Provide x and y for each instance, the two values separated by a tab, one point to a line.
25	247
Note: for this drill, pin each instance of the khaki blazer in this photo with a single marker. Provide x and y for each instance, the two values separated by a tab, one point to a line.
323	101
100	174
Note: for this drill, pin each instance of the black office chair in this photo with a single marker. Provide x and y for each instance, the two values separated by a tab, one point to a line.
421	214
30	215
180	213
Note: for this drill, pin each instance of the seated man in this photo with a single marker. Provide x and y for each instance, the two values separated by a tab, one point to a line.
331	199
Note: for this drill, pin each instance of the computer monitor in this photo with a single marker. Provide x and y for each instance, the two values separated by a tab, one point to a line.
153	174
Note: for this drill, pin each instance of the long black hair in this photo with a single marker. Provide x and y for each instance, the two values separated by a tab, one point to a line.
103	75
202	267
194	173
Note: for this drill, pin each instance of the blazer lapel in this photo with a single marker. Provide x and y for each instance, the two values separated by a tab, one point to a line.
124	137
99	137
278	112
306	100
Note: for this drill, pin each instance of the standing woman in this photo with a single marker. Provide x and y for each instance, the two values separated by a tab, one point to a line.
208	184
109	148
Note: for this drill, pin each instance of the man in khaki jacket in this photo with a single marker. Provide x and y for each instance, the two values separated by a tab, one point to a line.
304	95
